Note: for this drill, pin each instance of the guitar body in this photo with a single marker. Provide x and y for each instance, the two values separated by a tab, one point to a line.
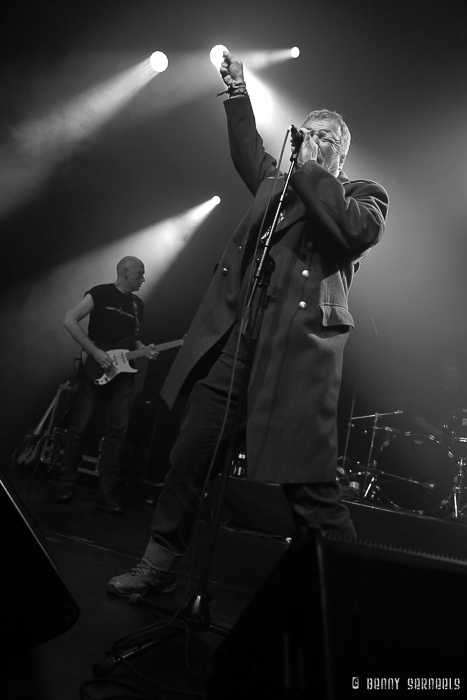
121	358
29	449
94	372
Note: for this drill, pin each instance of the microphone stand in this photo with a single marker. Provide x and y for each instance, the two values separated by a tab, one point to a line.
196	612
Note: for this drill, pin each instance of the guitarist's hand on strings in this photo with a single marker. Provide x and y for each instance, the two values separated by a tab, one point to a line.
103	359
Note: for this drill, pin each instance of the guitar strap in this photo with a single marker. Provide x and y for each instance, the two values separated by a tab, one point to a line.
135	307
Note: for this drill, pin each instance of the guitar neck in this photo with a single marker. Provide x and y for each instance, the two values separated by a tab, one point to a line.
143	352
38	429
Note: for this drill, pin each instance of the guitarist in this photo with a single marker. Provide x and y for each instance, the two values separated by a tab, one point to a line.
115	313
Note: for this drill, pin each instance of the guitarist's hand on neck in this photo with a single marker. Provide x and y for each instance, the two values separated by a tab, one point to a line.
153	354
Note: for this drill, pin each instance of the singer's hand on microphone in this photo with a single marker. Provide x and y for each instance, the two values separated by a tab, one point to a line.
308	149
231	69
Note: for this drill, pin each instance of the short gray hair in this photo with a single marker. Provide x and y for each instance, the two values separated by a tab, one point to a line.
339	119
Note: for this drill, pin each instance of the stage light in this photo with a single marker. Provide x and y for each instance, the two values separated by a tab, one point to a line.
216	200
158	61
265	58
217	55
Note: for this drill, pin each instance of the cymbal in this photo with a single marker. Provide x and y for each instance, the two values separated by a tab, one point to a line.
377	415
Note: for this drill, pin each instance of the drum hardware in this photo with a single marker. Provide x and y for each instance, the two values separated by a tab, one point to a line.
414	472
418	474
369	481
426	485
456	494
349	426
456	430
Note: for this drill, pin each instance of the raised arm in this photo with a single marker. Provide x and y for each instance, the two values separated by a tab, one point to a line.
251	161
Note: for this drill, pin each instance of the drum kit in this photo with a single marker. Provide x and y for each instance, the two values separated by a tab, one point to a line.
412	472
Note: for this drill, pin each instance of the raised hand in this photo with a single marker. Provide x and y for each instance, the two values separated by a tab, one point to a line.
231	69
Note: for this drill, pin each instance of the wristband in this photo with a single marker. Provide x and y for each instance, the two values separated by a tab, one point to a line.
236	87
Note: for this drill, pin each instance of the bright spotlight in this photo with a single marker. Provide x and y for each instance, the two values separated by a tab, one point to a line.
257	60
216	199
158	61
217	55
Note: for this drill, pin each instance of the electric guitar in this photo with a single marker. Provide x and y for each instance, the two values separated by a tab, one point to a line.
121	358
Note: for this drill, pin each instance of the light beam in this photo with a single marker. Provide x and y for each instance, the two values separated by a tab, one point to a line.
40	143
259	60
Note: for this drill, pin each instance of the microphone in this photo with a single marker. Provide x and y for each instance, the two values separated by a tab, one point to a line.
297	137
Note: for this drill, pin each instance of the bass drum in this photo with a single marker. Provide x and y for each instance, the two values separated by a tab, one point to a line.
416	472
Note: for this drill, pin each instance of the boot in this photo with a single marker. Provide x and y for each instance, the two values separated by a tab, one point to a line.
155	573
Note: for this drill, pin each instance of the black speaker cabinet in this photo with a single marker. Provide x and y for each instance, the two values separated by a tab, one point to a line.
339	618
36	605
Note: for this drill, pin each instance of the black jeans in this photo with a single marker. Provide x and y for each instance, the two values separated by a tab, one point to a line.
179	502
114	399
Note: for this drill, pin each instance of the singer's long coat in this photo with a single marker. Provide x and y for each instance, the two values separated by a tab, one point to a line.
292	398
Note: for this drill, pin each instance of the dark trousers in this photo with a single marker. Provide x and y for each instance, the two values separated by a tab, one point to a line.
114	399
180	499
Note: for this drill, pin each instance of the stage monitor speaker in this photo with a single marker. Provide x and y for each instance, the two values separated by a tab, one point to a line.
36	604
340	617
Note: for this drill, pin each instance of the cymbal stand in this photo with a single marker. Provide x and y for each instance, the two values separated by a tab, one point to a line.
456	495
459	451
349	428
369	483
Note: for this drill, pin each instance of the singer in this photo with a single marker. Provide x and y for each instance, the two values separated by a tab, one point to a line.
326	226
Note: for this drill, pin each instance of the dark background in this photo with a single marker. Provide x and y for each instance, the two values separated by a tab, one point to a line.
74	196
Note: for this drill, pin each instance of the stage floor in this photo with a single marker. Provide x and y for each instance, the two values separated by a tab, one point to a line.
89	546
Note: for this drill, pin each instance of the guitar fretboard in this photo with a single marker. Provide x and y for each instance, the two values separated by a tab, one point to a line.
142	352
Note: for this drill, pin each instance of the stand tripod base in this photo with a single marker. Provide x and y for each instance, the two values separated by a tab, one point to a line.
195	615
196	612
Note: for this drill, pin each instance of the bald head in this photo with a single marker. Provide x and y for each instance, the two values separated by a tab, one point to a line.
130	274
127	262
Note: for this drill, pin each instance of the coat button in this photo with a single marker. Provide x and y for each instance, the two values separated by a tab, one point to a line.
302	304
305	273
309	246
224	271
